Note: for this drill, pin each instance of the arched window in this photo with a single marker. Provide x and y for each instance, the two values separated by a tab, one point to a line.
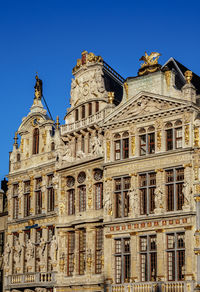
18	156
76	115
36	141
147	141
83	112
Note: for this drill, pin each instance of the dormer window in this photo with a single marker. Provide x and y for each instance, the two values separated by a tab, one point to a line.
36	141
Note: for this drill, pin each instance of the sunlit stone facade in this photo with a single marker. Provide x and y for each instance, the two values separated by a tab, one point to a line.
108	201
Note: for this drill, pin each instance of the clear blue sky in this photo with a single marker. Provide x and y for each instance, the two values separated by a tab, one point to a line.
48	36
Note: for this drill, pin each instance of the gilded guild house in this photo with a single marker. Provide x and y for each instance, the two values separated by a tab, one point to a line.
110	200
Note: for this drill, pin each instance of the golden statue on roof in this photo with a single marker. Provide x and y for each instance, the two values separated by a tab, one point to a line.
150	64
87	58
38	88
150	60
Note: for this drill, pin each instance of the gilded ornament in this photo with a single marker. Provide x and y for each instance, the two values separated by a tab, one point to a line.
168	78
150	64
38	88
197	189
126	89
188	76
187	134
196	172
133	145
159	140
111	96
22	145
108	150
87	58
57	122
196	137
150	60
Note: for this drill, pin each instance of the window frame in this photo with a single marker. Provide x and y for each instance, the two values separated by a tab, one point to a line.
175	250
174	196
145	193
122	197
82	198
124	256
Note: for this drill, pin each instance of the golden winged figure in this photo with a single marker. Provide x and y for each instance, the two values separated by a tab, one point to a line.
150	60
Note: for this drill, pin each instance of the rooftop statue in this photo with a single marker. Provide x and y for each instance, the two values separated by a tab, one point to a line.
150	60
38	88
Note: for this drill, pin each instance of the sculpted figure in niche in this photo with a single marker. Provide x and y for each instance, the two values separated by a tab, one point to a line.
99	80
80	154
29	250
75	91
17	252
53	249
67	156
6	255
107	199
187	192
42	248
96	147
159	205
134	201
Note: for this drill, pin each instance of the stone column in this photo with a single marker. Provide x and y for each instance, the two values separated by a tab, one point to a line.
189	253
161	259
197	237
109	261
134	256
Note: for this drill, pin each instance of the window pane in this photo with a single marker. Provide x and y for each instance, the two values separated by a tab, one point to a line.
169	138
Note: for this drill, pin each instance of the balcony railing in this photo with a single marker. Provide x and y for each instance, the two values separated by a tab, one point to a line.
31	278
185	286
99	116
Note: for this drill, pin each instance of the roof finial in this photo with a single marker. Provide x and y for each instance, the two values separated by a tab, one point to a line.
57	123
188	76
15	139
38	87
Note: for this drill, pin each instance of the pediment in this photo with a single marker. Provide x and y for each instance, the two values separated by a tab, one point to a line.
32	121
143	104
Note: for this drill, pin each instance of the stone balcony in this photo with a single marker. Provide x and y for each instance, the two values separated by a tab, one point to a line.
30	280
182	286
84	123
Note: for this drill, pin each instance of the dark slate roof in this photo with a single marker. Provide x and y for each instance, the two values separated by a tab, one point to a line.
180	69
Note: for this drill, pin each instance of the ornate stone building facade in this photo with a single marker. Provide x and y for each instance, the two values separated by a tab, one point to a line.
109	201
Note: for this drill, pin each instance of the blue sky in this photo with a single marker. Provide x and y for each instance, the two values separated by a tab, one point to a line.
48	36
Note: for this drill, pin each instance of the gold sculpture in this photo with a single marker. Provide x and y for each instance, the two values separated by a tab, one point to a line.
150	60
188	76
126	89
196	137
159	143
111	96
150	64
133	145
87	58
38	88
187	134
168	78
108	149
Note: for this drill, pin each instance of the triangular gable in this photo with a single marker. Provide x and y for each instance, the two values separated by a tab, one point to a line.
143	104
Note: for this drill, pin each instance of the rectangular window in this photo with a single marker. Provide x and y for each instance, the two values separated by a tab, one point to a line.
148	258
15	201
147	192
178	137
147	144
38	196
125	153
76	115
151	143
27	204
98	250
98	196
82	198
122	260
82	143
143	145
118	150
97	106
70	253
82	251
89	109
83	112
1	243
176	256
174	188
71	202
122	188
169	139
50	194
